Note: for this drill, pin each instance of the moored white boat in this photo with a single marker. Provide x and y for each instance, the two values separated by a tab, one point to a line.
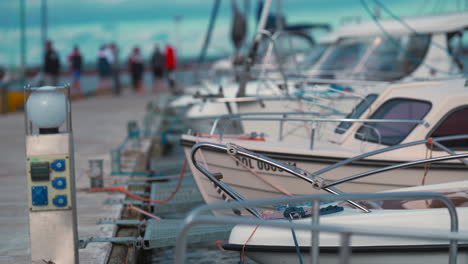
276	245
418	48
437	109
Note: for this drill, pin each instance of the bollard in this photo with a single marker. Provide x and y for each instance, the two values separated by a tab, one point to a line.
132	127
312	138
148	119
147	123
115	161
96	173
134	133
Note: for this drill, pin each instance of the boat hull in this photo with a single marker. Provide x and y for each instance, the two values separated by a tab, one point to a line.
237	176
370	255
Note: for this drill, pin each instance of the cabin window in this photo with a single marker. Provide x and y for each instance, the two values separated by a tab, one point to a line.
393	133
455	123
358	110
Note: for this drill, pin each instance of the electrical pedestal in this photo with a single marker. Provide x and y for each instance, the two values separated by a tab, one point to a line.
51	183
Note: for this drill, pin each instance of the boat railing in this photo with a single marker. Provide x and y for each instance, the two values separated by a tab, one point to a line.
437	142
237	150
314	178
199	216
282	117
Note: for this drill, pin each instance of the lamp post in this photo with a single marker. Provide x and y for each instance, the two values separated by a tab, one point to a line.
44	20
50	175
22	10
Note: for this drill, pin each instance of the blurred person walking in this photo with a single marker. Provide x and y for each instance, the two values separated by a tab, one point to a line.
4	76
51	65
104	70
135	64
76	65
115	68
171	64
157	66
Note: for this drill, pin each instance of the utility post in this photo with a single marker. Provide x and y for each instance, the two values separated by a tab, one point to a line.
50	175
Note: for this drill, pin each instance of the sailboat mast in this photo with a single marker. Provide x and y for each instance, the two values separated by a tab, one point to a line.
253	50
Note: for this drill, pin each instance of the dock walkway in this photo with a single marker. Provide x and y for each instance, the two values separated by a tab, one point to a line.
99	125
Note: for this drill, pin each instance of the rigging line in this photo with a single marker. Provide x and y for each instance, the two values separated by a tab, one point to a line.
211	24
421	36
395	42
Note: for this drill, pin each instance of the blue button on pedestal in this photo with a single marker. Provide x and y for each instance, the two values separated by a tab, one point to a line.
59	183
60	200
58	165
39	195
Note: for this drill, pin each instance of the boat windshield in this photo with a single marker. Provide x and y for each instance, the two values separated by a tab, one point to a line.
344	56
312	56
373	59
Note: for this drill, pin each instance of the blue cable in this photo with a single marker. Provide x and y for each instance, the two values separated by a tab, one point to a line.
296	245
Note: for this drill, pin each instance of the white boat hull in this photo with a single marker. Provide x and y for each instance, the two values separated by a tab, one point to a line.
395	257
275	246
250	186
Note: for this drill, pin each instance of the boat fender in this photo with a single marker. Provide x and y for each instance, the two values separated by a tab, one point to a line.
294	212
331	209
299	212
343	88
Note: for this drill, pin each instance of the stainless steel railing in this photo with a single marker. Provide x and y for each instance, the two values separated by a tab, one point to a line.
314	178
316	182
436	141
283	116
196	217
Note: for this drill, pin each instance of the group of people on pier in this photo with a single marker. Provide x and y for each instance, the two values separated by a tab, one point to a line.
161	64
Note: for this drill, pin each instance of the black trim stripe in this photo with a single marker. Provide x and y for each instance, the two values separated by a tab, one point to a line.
359	249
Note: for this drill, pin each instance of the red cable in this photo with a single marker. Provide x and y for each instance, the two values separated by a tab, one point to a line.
141	211
247	241
145	199
427	166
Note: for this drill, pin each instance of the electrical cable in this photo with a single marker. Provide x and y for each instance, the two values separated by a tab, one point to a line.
122	189
141	211
242	256
296	244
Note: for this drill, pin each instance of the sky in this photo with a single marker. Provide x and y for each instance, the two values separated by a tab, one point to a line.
91	23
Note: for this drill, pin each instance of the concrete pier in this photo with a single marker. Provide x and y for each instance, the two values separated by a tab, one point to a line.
99	125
